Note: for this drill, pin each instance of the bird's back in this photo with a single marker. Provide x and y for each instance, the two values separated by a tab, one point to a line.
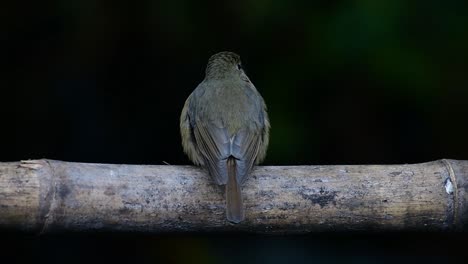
229	119
231	105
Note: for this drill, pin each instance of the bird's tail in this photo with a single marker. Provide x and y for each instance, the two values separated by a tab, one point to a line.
234	206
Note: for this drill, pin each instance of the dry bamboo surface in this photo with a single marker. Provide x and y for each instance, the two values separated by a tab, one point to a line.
48	196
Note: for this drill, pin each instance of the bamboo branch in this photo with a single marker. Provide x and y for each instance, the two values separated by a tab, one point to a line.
48	196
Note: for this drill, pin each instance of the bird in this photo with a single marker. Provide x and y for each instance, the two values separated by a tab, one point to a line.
225	128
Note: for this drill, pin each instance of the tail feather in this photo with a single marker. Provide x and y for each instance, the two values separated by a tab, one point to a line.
234	205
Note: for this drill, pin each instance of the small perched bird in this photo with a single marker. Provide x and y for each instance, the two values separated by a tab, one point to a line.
225	128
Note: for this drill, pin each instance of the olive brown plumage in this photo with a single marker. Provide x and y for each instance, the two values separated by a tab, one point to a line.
225	128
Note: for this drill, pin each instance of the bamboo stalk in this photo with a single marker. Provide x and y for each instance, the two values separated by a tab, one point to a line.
49	196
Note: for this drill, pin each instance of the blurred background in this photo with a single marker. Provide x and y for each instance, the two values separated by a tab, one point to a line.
346	82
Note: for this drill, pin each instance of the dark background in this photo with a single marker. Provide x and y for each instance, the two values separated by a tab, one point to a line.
346	82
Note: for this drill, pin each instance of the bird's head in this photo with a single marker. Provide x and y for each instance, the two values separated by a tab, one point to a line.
224	65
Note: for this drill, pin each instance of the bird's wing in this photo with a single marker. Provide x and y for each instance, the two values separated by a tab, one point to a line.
186	131
214	145
245	146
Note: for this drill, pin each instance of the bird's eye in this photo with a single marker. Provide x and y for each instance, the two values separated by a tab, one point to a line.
239	66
